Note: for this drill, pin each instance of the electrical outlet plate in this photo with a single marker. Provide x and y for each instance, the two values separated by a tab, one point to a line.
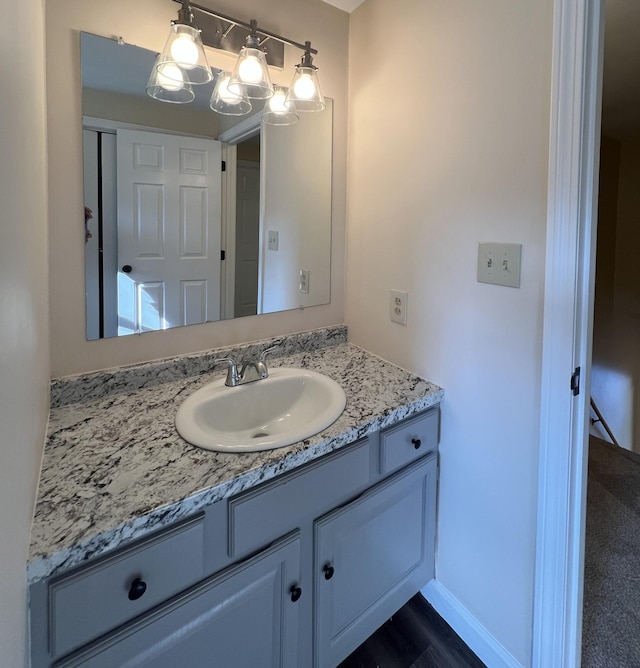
499	264
305	276
398	306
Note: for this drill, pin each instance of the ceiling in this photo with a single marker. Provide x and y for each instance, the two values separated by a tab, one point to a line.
621	81
346	5
116	67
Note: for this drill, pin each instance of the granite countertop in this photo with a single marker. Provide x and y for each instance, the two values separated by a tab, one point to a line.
115	468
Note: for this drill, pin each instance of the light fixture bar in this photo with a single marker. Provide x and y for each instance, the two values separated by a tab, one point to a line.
247	26
184	15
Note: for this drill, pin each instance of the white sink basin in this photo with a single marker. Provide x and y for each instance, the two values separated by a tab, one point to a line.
288	406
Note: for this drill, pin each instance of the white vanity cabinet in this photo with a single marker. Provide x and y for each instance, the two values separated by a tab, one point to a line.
297	571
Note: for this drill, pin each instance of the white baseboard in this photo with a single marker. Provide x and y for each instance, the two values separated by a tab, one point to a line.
477	638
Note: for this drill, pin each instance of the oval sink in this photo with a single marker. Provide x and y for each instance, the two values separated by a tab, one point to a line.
288	406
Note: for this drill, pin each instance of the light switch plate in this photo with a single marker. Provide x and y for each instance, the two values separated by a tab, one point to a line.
272	240
499	263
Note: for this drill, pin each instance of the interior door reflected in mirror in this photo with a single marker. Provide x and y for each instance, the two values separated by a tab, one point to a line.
191	216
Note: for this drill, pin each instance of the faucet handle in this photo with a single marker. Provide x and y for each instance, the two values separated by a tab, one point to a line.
225	360
268	351
232	370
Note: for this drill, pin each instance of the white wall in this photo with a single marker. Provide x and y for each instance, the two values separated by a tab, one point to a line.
146	23
299	214
609	178
24	363
627	286
448	147
616	355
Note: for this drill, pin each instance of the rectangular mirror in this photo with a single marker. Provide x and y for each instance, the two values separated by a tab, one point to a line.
191	216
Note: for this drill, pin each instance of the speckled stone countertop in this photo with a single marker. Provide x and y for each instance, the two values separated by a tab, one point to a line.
115	467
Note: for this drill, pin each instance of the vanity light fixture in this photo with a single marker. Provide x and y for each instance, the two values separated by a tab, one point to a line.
225	101
167	84
183	58
278	111
251	74
183	63
304	90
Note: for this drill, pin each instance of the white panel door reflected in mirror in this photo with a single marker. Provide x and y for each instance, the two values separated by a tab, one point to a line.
170	238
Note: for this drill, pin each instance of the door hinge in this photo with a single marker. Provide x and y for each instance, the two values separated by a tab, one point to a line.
575	382
224	165
223	255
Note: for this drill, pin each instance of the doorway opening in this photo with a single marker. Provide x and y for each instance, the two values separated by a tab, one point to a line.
612	537
247	232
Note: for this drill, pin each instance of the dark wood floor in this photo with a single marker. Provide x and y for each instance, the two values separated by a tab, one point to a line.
415	637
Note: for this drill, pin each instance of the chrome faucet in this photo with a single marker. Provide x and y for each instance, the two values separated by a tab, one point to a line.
250	371
233	377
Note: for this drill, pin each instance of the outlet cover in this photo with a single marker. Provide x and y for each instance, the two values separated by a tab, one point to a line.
305	278
398	306
272	240
499	263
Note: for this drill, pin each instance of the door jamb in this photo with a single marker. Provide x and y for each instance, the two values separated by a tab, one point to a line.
568	326
228	267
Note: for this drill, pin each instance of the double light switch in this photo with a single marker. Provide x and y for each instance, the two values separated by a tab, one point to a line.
499	264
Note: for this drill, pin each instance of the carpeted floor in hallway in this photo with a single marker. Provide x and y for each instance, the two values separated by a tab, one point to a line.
611	625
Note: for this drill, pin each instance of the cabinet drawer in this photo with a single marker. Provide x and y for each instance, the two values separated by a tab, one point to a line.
409	440
91	600
244	616
258	516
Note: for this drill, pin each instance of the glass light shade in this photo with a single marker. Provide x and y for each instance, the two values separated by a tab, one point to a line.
184	49
278	111
165	84
225	101
304	91
251	74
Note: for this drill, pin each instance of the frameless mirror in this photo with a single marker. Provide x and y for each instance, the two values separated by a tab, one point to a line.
191	216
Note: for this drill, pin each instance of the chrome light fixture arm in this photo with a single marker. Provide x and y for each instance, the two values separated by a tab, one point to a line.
252	26
183	63
185	15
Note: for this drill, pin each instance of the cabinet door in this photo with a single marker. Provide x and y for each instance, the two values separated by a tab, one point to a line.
371	556
243	617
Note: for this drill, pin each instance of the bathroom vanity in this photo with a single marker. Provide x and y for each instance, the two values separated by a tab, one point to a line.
290	557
